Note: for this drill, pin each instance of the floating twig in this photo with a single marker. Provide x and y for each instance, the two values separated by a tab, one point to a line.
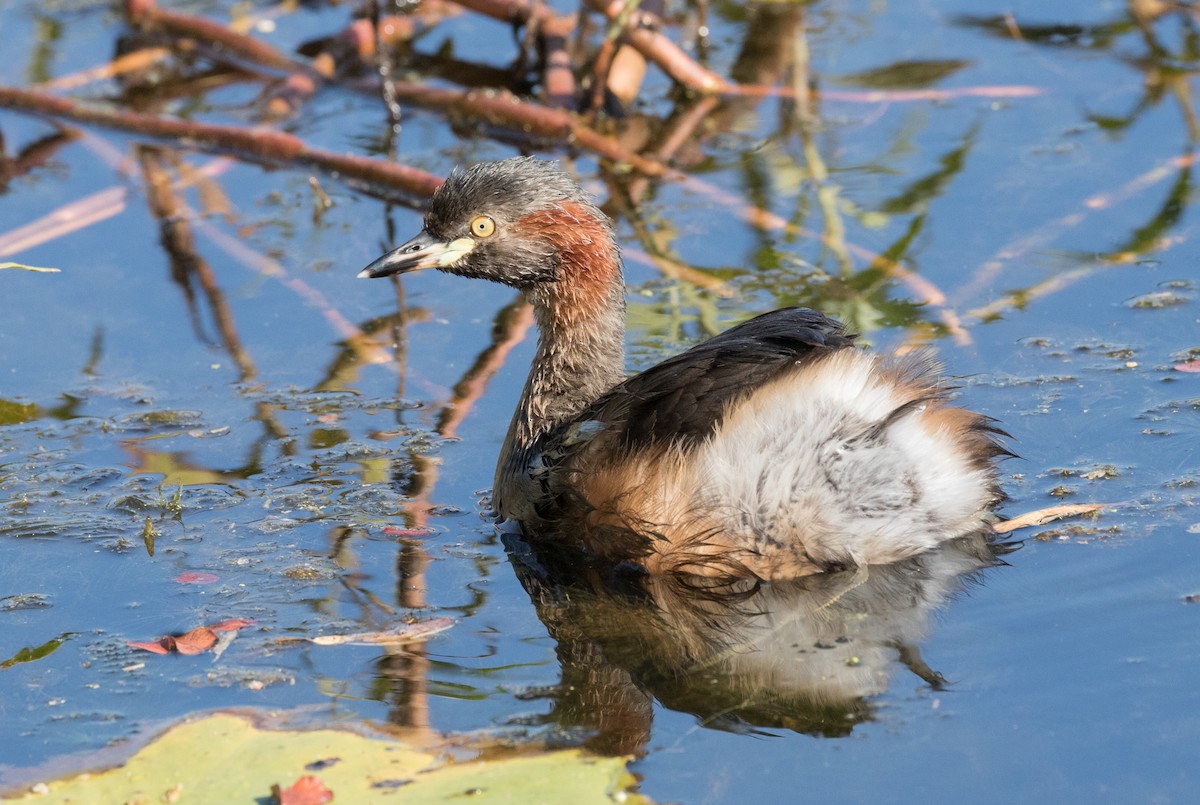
1047	515
35	269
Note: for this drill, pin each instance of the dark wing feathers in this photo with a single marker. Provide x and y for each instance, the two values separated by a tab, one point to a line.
684	398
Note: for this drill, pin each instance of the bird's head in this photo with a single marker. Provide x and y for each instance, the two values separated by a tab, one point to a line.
521	222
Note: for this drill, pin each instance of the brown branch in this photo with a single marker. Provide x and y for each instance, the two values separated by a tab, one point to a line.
643	34
625	74
514	12
558	78
145	14
498	108
257	143
506	109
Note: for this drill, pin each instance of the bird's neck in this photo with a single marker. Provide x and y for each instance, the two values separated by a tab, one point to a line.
581	339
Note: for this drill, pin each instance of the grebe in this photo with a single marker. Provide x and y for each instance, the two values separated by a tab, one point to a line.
777	447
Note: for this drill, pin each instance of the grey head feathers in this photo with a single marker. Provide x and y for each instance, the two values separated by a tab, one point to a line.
506	191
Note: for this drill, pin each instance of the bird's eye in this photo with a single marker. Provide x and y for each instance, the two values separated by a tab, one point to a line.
482	226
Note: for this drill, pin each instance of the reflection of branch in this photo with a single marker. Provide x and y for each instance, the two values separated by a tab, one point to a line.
652	254
675	269
926	291
384	331
131	62
32	156
186	263
512	325
260	263
987	273
78	215
889	95
680	130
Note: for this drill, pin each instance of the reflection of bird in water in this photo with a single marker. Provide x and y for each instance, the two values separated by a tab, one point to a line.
774	450
803	654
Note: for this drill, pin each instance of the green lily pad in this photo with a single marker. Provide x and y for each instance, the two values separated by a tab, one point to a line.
14	413
226	758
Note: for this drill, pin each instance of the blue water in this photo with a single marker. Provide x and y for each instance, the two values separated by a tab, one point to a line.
1070	670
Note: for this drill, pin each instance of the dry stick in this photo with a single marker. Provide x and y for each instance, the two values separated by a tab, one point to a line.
685	70
303	77
1043	516
533	33
502	108
626	73
499	108
363	40
514	12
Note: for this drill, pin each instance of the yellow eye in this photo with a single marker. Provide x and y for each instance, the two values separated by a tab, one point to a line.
482	226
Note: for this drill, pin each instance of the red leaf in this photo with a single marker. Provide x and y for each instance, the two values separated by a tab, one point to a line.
196	641
196	578
308	790
1190	366
392	531
231	625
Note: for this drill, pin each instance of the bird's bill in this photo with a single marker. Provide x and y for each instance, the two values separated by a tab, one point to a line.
423	251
